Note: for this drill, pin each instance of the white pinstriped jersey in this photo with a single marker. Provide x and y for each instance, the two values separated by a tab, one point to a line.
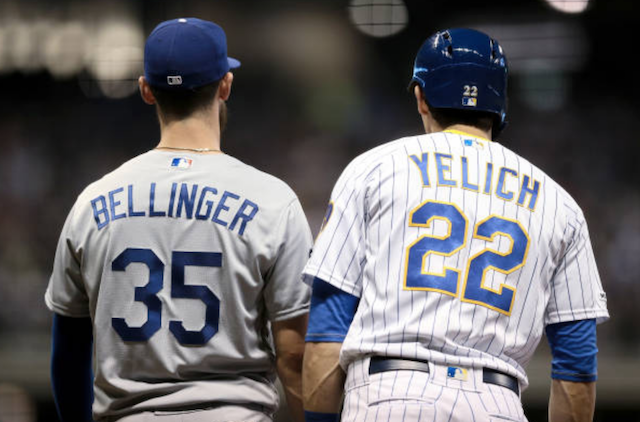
181	260
460	252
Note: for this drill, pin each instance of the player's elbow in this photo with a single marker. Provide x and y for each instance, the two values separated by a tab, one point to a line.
289	344
289	367
290	360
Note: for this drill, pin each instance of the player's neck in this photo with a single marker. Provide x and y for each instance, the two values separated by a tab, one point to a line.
432	126
193	133
469	130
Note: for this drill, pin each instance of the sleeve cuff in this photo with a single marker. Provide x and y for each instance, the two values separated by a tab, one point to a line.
320	417
64	310
324	338
293	313
565	376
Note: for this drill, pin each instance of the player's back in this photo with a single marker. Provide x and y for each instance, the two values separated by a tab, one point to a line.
465	244
178	254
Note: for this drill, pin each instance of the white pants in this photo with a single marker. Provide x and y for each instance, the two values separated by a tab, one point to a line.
410	396
219	414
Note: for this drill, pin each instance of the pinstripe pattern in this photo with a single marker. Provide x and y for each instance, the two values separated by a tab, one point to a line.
409	396
373	199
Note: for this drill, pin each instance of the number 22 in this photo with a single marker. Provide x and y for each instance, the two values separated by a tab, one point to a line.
470	91
474	290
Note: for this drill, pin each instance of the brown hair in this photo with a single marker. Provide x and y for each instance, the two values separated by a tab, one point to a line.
446	117
178	105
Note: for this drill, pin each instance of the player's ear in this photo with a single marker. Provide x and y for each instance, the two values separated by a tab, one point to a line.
224	88
421	104
145	91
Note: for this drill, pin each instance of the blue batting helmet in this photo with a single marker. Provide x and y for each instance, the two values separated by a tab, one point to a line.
463	69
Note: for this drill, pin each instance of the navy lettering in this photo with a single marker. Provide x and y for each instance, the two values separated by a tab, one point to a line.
174	186
152	199
99	206
222	207
133	213
186	200
113	204
209	203
244	215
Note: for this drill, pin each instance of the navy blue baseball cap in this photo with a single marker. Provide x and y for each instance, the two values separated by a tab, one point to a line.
186	53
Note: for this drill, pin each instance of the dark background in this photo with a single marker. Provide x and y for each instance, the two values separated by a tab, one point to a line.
315	89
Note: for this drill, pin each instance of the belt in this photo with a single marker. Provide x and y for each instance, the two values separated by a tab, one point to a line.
490	376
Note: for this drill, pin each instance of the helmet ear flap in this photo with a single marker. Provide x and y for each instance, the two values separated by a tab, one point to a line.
499	124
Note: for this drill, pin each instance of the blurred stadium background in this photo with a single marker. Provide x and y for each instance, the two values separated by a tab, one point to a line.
321	81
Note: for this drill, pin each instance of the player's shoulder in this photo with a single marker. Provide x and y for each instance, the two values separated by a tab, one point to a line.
565	202
234	172
404	146
262	182
383	151
568	203
113	176
376	156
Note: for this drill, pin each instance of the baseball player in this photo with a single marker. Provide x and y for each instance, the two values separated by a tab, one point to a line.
182	265
442	260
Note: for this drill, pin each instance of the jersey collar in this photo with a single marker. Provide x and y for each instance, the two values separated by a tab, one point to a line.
459	132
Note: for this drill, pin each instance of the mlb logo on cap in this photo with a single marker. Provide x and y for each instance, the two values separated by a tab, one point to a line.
174	80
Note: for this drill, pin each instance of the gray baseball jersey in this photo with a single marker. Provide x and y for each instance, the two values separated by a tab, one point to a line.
181	260
460	252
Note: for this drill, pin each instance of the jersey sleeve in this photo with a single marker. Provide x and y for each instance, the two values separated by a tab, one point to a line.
339	251
576	289
574	349
331	314
285	295
66	294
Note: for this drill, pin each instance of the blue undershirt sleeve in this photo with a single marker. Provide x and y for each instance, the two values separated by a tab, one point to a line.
332	311
574	350
71	372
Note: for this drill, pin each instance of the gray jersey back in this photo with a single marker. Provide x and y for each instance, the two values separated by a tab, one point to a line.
181	260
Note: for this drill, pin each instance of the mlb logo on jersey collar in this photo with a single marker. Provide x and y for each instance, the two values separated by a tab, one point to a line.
181	163
457	373
473	143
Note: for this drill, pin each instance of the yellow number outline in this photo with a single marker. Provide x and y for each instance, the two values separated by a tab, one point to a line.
491	267
427	224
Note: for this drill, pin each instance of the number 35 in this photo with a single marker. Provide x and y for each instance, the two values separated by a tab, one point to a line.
474	289
147	294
